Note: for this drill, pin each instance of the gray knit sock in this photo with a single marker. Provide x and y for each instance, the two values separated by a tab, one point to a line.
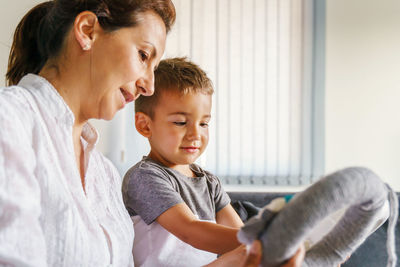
357	189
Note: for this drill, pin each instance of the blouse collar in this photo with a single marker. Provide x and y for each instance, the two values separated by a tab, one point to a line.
55	105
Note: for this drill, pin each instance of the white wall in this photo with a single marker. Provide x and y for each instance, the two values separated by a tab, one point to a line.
363	86
11	12
362	82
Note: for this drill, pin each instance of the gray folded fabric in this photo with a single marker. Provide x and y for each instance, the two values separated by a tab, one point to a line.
358	190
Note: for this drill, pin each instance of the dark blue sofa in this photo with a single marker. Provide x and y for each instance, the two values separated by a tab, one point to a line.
372	253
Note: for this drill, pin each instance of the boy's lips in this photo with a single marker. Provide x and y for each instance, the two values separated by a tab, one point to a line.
190	149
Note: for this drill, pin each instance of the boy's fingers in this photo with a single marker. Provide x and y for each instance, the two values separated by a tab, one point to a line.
253	258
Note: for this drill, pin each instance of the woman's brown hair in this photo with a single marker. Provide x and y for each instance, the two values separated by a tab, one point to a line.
40	34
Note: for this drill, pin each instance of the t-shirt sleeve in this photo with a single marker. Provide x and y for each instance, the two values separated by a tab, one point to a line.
221	198
148	192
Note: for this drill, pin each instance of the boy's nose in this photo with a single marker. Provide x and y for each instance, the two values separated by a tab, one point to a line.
193	134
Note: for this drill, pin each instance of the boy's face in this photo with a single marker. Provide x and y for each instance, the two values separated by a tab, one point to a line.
179	128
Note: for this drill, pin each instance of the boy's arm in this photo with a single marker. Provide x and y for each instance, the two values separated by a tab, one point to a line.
181	222
227	216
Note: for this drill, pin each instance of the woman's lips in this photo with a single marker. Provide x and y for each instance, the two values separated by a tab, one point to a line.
128	97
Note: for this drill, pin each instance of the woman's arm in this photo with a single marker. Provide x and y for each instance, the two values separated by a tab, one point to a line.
22	241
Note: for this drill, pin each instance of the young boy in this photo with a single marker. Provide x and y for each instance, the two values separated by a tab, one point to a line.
181	214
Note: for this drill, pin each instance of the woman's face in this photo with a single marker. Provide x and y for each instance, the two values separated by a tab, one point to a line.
122	65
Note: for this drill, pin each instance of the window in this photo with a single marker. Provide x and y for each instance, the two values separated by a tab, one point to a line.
262	56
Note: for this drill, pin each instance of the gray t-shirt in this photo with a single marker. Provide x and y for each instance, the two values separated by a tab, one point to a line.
149	189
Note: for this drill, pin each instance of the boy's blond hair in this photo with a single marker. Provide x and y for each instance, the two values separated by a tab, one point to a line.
175	75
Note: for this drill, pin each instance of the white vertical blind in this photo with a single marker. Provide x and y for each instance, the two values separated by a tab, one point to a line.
257	53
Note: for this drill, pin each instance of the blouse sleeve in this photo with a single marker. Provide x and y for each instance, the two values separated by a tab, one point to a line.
21	238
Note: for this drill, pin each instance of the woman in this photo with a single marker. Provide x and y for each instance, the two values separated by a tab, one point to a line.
72	60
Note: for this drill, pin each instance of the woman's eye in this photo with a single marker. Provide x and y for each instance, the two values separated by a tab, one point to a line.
180	123
143	55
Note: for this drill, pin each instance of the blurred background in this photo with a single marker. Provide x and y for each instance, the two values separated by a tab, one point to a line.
302	88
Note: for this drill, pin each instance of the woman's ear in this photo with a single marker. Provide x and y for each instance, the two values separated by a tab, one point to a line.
85	29
142	124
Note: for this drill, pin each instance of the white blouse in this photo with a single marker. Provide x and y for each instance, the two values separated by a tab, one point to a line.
46	219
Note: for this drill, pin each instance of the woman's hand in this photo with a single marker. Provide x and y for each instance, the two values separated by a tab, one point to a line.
253	258
297	259
239	257
235	258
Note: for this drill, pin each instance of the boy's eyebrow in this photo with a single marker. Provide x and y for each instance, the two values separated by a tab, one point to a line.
178	113
186	113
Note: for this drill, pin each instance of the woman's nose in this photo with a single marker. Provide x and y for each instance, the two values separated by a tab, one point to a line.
145	85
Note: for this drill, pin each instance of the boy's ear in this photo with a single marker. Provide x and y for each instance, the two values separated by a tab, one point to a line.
142	122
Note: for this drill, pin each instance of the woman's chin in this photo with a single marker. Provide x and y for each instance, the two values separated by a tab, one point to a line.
107	116
110	112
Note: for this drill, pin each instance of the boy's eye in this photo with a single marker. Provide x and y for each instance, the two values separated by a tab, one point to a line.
180	123
204	124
